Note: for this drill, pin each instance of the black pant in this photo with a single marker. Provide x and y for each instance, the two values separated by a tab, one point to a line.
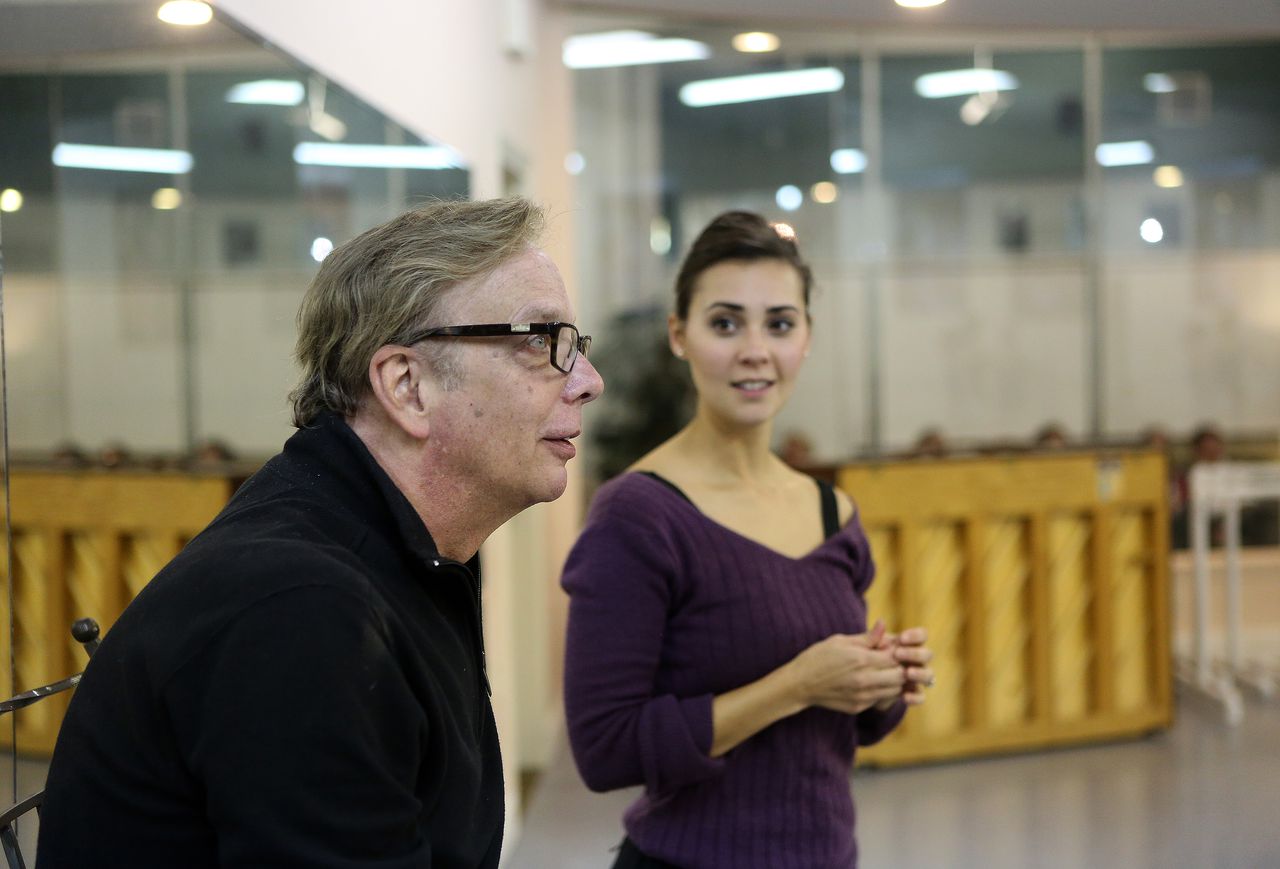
631	857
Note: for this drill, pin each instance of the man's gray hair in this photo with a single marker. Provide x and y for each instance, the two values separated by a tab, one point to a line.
387	283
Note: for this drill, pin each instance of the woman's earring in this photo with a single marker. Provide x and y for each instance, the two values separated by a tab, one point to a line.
678	351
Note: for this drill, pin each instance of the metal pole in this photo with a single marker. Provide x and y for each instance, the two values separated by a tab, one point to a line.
1200	547
875	245
1093	195
1233	587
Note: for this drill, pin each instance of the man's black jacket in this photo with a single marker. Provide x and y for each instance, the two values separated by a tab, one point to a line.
303	685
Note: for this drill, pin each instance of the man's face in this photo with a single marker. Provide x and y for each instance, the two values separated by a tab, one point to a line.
504	431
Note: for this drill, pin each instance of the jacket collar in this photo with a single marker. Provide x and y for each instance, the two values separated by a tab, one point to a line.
329	456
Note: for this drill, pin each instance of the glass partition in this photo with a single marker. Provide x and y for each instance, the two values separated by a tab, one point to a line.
166	196
985	247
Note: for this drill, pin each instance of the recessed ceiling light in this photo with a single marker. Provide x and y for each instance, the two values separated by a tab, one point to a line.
166	199
848	161
10	199
756	41
1167	176
824	192
185	13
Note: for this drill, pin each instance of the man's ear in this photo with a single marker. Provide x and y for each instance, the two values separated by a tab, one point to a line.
404	388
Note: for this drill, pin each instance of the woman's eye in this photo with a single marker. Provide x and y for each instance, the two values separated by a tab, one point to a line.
782	326
723	324
538	342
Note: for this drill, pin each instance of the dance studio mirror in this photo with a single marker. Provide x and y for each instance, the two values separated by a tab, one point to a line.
166	193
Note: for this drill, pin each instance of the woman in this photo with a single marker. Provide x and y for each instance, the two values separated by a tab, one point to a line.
718	650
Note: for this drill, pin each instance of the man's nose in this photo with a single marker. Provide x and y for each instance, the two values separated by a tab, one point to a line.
584	382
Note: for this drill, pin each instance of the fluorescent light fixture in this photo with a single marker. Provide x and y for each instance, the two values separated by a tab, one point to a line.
268	92
373	156
1167	176
756	42
761	86
789	197
824	192
10	199
160	160
166	199
1134	153
919	4
1151	231
961	82
848	161
628	48
185	13
1159	83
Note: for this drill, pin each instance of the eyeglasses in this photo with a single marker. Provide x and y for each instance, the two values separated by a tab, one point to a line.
565	342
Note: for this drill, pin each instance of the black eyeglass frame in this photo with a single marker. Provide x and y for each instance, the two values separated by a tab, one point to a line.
581	343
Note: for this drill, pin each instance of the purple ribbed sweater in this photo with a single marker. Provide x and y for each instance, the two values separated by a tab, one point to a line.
668	608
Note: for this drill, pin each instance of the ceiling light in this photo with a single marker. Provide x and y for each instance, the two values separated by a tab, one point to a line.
919	4
185	13
1151	231
1167	176
986	106
824	192
756	42
848	161
320	248
660	236
789	197
628	48
1159	83
374	156
268	92
762	86
962	82
574	162
160	160
166	199
10	199
1134	153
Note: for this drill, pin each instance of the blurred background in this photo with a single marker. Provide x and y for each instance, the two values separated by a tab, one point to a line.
1046	239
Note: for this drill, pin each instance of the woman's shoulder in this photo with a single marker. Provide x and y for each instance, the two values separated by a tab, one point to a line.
633	494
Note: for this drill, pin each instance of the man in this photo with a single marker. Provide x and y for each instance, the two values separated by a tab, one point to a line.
304	684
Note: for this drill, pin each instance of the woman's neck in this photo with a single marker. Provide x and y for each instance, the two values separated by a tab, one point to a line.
724	454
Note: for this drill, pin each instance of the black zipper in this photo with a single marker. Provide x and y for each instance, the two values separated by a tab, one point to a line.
476	614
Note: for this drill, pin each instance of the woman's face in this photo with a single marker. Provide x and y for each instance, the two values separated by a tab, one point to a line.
745	338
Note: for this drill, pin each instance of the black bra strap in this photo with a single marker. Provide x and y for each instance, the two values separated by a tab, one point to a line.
830	510
670	485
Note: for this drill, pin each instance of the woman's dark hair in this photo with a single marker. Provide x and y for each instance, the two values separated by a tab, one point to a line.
743	236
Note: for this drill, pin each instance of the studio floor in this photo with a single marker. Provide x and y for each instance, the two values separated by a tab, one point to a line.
1201	795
